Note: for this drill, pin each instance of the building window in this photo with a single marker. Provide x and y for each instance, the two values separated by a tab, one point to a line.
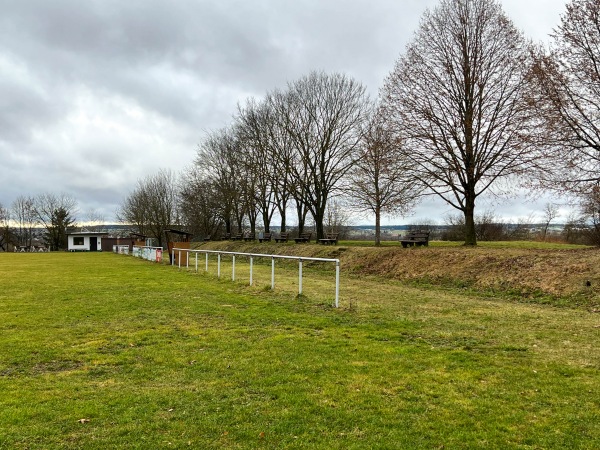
78	240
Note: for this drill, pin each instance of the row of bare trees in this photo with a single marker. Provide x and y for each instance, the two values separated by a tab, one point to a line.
54	213
471	107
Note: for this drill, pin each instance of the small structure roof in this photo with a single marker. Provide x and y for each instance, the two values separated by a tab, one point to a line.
172	230
88	233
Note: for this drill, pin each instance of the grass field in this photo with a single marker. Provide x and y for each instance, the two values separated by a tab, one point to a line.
106	351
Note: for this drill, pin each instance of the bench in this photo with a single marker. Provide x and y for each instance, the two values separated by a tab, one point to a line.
226	237
248	236
330	239
265	238
303	238
237	237
414	238
283	237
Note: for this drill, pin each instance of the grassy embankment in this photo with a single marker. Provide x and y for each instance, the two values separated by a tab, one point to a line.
105	351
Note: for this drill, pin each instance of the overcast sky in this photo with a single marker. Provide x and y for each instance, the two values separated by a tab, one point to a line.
97	94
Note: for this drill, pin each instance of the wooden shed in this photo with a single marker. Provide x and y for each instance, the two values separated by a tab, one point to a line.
177	239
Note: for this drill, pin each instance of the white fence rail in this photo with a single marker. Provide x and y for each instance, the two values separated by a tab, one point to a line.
251	257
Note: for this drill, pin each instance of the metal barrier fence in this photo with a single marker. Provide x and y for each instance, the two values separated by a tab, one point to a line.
251	256
121	249
149	253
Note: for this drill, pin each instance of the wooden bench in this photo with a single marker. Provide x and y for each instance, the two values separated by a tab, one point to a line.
283	237
303	238
226	237
265	238
237	237
248	236
329	239
414	238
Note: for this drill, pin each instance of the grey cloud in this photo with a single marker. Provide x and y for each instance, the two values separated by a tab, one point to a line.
149	77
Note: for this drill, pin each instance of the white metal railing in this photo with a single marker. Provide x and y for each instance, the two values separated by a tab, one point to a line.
148	253
251	256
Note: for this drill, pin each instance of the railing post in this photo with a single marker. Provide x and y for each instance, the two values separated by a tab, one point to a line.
218	265
300	276
196	262
173	257
206	265
233	268
179	258
251	261
337	283
187	259
272	272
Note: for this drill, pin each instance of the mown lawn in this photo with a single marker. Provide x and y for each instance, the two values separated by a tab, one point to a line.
105	351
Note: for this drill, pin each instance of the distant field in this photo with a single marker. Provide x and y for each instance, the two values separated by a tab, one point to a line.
105	351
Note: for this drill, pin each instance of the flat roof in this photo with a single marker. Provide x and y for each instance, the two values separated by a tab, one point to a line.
88	233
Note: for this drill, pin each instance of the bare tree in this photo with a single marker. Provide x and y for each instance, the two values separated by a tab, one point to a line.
590	216
132	211
152	206
24	216
457	98
550	213
95	220
293	169
217	160
253	127
56	214
6	235
199	204
567	98
324	117
380	183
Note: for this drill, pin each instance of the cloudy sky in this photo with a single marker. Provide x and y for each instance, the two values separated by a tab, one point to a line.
97	94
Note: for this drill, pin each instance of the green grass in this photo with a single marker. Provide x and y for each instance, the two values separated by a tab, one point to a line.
154	357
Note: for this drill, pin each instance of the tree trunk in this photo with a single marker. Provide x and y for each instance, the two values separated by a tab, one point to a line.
282	209
266	221
301	218
377	226
319	227
470	236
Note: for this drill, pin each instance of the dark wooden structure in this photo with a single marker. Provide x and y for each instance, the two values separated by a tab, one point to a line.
414	238
303	238
329	239
283	237
266	237
183	241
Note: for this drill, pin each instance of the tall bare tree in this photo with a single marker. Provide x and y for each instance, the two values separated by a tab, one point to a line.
56	214
456	97
380	182
24	216
199	204
254	130
568	100
217	160
551	212
152	206
6	235
324	117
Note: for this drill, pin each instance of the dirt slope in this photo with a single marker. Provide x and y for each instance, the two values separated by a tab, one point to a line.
560	273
